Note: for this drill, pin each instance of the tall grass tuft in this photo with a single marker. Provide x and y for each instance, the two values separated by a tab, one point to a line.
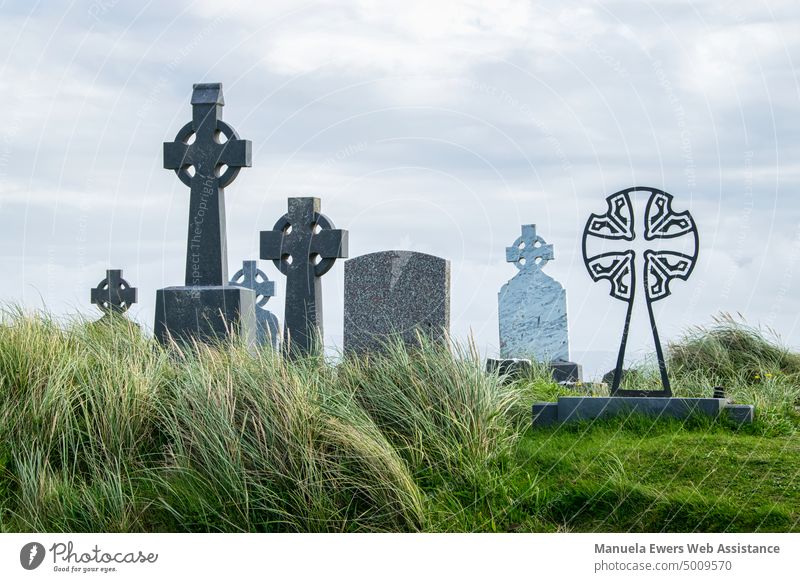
103	429
257	443
76	414
750	363
437	408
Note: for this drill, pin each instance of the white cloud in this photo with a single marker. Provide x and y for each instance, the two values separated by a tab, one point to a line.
436	126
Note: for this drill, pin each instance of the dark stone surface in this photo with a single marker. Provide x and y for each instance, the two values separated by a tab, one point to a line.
577	408
303	245
207	313
544	414
740	413
206	252
395	293
251	277
566	371
588	408
114	294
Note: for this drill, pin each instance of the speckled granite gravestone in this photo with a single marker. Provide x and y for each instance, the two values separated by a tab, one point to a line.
251	277
532	305
395	292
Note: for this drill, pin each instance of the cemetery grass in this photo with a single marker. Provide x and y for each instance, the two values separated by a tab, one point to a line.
103	430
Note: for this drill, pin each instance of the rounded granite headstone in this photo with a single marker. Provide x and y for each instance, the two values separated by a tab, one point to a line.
395	293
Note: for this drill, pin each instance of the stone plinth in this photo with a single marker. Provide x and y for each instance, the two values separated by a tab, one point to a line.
205	313
577	408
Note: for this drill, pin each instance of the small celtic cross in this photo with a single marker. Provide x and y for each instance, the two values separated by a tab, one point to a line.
529	251
114	294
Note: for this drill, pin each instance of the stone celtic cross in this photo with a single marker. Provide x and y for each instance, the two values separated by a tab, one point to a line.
529	251
114	294
199	164
532	307
661	267
251	277
303	245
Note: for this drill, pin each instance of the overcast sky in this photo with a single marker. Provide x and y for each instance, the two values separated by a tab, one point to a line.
435	126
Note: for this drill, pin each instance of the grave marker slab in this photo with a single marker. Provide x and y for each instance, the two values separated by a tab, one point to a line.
303	245
532	305
206	308
395	292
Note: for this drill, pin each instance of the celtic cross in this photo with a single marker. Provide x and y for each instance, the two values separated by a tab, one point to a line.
661	267
251	277
113	294
202	148
529	251
303	245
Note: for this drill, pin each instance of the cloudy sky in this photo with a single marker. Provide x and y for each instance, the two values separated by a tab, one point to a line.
438	127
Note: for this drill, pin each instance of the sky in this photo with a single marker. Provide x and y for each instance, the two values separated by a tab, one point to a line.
438	127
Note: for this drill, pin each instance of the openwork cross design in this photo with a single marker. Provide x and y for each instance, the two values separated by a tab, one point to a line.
529	251
661	267
207	155
114	294
303	245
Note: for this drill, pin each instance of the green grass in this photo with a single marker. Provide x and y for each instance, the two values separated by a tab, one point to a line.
101	429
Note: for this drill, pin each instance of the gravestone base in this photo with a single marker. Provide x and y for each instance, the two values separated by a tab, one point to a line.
205	313
566	371
518	367
577	408
514	367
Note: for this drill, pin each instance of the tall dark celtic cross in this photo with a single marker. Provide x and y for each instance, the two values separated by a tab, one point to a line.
304	245
215	146
660	266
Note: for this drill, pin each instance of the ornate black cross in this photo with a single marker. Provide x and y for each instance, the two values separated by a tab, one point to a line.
660	267
199	164
304	245
114	294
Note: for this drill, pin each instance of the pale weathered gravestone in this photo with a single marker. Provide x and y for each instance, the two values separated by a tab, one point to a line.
303	245
251	277
533	309
532	305
113	294
395	293
206	308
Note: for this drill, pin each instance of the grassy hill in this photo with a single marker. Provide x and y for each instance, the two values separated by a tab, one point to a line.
103	430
